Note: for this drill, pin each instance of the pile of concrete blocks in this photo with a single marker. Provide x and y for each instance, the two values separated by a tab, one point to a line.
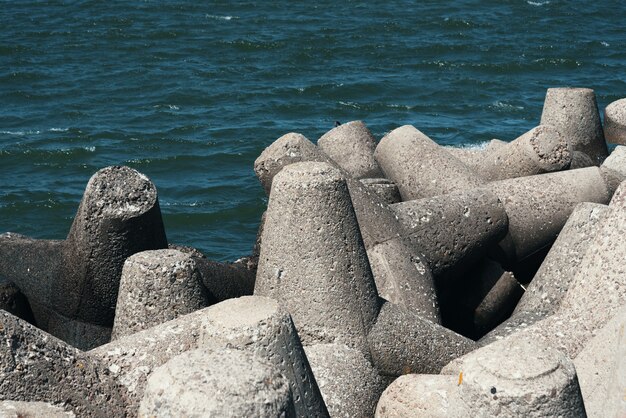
391	278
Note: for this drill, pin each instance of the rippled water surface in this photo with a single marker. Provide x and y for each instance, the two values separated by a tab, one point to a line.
190	93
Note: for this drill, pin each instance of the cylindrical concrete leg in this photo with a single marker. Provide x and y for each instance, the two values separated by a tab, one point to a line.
223	383
453	230
417	396
385	189
541	150
348	382
118	216
517	378
157	286
538	207
258	324
574	113
420	167
615	122
497	304
351	145
313	260
614	168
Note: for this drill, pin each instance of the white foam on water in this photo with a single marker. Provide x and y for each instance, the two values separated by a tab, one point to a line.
20	133
538	3
59	129
604	43
218	17
350	104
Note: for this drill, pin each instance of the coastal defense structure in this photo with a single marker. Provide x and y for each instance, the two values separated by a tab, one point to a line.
398	280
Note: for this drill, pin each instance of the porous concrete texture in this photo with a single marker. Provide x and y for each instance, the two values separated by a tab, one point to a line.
614	168
453	230
157	286
418	395
597	366
260	325
385	189
541	150
617	387
351	145
312	243
349	384
538	207
516	378
545	292
615	122
39	367
376	222
72	285
402	342
17	409
221	383
420	167
574	113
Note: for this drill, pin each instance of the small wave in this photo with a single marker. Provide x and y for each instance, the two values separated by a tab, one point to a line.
20	133
505	106
59	129
538	3
604	43
351	104
217	17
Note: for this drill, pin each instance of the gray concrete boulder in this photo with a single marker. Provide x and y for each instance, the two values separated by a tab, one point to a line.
157	286
541	150
351	145
402	342
614	168
538	207
574	113
615	122
39	367
416	396
224	382
21	409
349	384
72	285
313	260
385	189
420	167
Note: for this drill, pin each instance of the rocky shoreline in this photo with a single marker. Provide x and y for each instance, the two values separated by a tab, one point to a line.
390	279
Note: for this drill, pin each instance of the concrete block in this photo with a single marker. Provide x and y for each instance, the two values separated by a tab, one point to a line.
402	342
351	145
615	122
516	377
538	207
77	280
541	150
313	260
497	304
453	230
157	286
221	383
258	324
574	113
471	156
349	383
385	189
17	409
420	167
614	168
39	367
598	365
418	395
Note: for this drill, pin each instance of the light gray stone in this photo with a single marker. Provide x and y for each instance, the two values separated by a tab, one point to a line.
615	122
348	382
385	189
157	286
313	260
17	409
351	145
420	167
417	396
614	168
221	383
574	113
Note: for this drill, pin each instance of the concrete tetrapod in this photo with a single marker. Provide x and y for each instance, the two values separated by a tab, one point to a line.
72	285
349	383
453	230
400	272
223	382
599	286
351	145
313	260
538	207
574	113
385	189
420	167
615	122
614	168
471	156
18	409
39	367
157	286
541	150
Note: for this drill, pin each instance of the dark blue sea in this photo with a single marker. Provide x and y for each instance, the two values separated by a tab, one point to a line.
190	93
